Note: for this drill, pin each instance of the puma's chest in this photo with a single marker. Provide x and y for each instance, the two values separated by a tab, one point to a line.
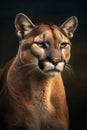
42	103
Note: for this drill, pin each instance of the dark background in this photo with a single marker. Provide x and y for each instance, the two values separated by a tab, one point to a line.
54	11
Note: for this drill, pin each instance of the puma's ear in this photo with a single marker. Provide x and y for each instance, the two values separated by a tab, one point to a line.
70	25
23	25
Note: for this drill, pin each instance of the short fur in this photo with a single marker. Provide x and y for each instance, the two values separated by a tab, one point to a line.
32	94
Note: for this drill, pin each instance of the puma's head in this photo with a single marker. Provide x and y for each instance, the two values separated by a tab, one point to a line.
45	46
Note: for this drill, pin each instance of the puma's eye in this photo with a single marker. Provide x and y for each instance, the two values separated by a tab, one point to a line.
43	45
63	45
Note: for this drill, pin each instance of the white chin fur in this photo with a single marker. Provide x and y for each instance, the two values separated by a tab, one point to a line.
60	66
52	70
48	66
52	73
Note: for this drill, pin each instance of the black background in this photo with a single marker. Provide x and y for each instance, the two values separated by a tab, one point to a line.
54	11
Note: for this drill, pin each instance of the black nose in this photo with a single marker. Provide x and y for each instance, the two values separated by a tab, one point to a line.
54	60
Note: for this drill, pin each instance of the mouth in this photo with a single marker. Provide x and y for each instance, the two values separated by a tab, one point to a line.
52	72
50	69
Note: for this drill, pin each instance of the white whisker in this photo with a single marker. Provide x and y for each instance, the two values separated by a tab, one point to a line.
29	72
27	65
69	69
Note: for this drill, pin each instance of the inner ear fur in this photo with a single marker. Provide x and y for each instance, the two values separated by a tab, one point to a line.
69	26
23	25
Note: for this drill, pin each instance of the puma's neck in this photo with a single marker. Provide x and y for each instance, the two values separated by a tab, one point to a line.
36	87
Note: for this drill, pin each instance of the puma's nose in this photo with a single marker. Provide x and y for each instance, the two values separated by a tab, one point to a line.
54	60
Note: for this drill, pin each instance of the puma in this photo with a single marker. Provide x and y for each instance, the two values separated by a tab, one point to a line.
32	94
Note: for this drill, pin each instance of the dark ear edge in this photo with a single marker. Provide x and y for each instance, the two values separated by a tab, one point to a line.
23	25
69	26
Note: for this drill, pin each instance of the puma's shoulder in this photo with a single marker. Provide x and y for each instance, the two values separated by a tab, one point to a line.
3	72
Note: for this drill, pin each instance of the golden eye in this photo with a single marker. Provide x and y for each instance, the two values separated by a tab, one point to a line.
43	45
63	45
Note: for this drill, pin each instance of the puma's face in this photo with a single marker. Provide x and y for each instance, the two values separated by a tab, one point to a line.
52	50
49	50
47	47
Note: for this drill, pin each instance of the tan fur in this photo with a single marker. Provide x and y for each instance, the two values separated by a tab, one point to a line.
32	94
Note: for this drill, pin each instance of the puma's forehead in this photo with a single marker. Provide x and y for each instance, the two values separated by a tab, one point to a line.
44	36
50	33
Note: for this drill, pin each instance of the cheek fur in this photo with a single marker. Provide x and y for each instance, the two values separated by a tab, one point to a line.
28	58
68	57
37	51
66	53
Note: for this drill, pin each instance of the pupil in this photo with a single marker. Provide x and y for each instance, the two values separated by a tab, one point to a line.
63	44
43	45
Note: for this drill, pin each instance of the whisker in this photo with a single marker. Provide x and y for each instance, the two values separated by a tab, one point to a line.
27	65
68	74
69	69
29	72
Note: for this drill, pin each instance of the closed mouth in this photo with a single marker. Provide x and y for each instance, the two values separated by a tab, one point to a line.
50	69
53	70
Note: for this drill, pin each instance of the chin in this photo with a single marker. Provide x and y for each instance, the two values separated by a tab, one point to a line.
51	73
